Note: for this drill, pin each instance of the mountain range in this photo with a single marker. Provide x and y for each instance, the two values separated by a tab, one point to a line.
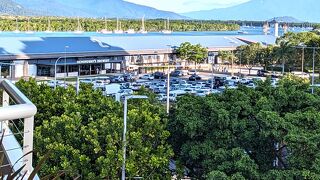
83	8
260	10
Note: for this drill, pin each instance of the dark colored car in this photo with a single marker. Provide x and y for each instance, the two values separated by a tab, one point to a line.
128	77
159	75
176	74
194	78
263	73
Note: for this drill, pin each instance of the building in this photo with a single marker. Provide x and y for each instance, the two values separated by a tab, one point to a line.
23	56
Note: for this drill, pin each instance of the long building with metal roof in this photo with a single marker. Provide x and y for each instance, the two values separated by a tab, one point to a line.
36	56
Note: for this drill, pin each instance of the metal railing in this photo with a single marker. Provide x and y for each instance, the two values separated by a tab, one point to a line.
23	109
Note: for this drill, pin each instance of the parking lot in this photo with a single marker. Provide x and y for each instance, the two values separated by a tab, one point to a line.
180	83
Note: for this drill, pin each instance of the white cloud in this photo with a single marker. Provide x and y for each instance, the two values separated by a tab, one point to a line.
181	6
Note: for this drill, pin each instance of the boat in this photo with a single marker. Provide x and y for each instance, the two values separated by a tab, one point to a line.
143	30
118	30
167	27
78	31
28	27
130	31
105	30
243	32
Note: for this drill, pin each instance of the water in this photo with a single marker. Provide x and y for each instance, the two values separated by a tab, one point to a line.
248	30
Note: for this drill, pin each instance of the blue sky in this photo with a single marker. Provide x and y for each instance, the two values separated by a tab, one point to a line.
181	6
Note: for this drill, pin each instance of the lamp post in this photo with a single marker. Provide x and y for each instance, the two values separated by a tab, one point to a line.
125	112
55	67
65	64
55	72
168	82
313	63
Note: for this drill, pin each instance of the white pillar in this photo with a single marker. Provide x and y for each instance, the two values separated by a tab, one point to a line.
28	143
18	69
276	29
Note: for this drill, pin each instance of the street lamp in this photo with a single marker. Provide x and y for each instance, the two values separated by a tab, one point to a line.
55	67
125	112
313	62
55	72
168	82
65	64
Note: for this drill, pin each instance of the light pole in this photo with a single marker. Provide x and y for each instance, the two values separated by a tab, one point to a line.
55	72
125	112
313	62
65	64
168	82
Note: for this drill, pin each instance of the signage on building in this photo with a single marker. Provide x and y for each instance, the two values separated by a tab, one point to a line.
92	61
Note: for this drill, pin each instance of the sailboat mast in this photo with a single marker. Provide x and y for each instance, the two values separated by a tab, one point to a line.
168	24
143	28
117	24
49	24
28	26
17	28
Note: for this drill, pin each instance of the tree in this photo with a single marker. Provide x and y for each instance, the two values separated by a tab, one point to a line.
249	133
227	56
192	53
84	133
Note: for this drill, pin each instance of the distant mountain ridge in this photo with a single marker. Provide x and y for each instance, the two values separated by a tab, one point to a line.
305	10
287	19
85	8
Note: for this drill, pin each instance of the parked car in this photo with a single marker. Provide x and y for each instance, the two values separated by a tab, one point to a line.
117	79
263	73
98	84
52	83
159	75
162	97
128	77
194	77
104	79
236	79
176	73
87	81
192	72
147	77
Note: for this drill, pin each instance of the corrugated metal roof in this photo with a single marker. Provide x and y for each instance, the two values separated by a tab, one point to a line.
51	45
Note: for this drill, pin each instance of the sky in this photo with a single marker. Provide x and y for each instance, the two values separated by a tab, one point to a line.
181	6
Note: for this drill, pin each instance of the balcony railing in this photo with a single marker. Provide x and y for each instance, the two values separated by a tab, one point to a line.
16	111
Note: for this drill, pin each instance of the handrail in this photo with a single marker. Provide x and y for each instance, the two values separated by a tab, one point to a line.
23	109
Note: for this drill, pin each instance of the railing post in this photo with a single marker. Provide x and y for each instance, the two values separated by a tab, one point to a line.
28	143
5	103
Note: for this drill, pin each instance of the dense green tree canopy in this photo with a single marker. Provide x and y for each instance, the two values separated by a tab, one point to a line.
84	133
93	25
261	133
192	53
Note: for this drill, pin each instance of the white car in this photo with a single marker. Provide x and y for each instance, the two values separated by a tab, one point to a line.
235	79
244	81
87	81
251	85
98	84
202	93
124	92
162	97
52	83
147	77
192	72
